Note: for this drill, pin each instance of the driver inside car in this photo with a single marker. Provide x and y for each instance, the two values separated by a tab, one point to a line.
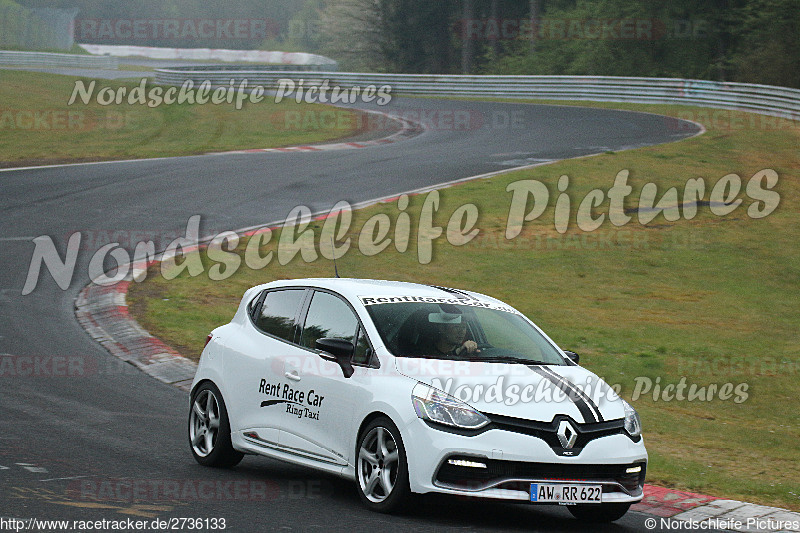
451	332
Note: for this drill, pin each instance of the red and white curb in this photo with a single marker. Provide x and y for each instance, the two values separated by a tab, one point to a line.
733	515
103	313
673	509
667	503
407	130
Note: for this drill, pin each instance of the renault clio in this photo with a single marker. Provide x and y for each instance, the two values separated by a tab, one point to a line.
413	389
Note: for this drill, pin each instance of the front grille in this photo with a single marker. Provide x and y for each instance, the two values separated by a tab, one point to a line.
496	471
547	430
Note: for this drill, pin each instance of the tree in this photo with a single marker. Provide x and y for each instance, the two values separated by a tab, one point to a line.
417	35
351	31
768	49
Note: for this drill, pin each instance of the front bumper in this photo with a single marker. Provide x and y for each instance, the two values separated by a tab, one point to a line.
513	461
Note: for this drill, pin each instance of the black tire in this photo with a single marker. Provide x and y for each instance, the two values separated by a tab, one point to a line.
206	407
395	472
604	512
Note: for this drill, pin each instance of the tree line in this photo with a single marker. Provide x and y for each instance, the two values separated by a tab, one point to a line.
756	41
727	40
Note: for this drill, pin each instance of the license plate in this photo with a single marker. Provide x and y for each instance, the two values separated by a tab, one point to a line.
566	493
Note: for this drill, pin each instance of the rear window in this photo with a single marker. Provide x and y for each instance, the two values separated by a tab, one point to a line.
277	316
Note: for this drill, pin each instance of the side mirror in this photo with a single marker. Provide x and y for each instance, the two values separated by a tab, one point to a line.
341	350
575	358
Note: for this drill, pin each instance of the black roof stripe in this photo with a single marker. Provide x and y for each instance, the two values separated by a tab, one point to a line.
455	292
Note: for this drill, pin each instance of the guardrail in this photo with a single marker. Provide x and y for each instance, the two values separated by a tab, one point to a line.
47	59
216	54
236	69
763	99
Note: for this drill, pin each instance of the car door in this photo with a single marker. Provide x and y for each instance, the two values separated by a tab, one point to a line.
254	364
328	423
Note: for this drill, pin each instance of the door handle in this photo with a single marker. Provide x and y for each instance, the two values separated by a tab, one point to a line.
293	375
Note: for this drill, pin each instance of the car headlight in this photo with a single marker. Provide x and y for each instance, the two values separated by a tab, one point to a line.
633	424
436	406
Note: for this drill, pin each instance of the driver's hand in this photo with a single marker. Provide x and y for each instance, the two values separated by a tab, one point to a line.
469	347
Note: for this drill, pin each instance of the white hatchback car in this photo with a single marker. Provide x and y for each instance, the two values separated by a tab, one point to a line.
409	388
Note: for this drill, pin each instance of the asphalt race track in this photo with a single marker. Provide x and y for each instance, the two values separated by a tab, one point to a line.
109	442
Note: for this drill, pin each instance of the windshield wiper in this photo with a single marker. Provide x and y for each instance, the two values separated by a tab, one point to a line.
426	356
518	360
497	359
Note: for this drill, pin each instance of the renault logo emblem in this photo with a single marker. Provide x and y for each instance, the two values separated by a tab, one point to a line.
566	434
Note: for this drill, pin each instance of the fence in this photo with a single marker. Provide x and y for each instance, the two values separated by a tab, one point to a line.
45	59
763	99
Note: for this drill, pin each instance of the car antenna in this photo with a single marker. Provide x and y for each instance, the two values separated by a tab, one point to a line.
333	251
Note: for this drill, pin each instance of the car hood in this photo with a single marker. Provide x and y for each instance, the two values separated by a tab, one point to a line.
531	392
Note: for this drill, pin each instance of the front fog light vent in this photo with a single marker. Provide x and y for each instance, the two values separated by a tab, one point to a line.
468	464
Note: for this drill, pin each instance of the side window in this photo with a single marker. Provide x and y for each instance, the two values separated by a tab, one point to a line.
278	313
328	316
252	307
362	353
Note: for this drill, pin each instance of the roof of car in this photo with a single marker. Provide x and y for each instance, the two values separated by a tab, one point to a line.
354	288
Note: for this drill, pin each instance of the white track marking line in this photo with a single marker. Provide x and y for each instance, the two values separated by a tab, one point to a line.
63	478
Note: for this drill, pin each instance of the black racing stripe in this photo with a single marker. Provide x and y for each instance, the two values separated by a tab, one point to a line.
268	403
571	392
582	394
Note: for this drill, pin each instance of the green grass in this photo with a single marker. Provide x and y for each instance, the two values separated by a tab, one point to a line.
93	132
712	299
75	50
136	68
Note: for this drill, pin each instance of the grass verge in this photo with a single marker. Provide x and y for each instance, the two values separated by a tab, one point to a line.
38	127
712	299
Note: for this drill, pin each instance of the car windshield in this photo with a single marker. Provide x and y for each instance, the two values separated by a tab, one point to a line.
471	331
